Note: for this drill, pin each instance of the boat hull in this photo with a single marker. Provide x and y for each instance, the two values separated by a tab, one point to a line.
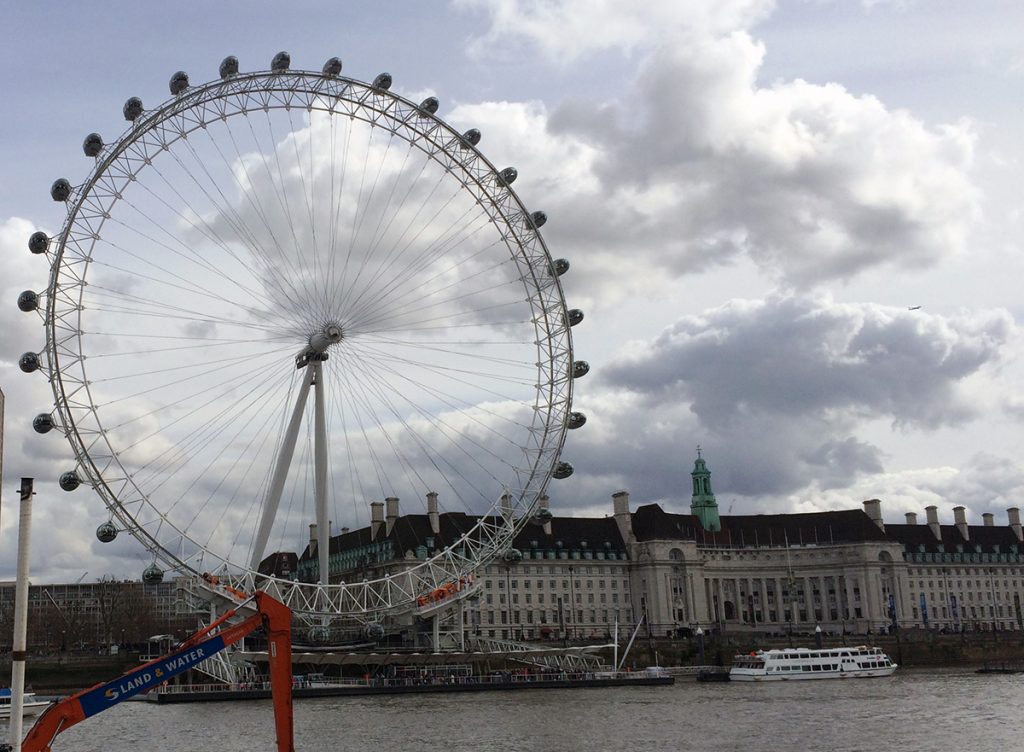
802	664
29	710
814	675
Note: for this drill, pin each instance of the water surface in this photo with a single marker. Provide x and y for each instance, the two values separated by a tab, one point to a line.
923	711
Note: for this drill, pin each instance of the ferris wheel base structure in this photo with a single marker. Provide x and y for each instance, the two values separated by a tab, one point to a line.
268	233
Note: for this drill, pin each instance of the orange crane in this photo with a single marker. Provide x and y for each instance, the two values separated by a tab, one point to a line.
272	615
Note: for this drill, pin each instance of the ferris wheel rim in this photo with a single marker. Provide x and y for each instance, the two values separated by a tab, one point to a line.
549	320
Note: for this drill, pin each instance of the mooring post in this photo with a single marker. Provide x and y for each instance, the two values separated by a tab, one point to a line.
20	617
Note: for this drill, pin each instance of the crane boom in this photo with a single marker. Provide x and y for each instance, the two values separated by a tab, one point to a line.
272	615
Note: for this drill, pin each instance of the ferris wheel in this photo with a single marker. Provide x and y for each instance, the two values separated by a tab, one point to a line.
281	295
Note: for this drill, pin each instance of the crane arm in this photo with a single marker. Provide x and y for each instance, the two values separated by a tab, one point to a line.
274	616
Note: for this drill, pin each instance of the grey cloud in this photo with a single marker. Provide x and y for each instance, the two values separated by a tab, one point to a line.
800	356
778	392
985	483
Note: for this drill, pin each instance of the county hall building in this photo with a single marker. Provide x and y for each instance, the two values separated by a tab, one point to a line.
843	570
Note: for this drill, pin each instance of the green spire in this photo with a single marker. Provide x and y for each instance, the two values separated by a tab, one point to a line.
703	503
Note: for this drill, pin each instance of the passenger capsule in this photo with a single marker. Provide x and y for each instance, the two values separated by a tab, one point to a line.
281	62
575	316
106	532
229	66
576	420
60	190
430	105
512	555
39	242
178	83
580	368
152	575
561	266
538	219
374	631
42	423
29	362
382	81
69	481
508	176
28	301
132	108
563	470
92	145
471	137
543	516
332	67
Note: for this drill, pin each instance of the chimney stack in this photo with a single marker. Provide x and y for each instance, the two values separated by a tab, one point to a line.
911	518
988	519
1013	514
392	513
620	507
932	514
376	517
873	509
435	520
960	518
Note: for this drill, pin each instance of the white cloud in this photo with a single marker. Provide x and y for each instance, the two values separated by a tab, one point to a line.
568	29
696	161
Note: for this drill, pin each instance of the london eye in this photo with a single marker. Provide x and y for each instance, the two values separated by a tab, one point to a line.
281	295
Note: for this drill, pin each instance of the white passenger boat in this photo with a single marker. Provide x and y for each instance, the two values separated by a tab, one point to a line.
801	663
31	705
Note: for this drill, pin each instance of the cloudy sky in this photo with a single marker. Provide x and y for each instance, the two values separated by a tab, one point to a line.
794	226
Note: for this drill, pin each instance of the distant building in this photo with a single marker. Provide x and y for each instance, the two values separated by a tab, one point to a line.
282	564
846	571
94	615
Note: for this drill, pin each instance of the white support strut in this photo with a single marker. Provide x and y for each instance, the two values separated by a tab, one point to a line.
284	460
323	525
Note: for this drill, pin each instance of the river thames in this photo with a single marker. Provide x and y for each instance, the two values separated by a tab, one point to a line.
919	710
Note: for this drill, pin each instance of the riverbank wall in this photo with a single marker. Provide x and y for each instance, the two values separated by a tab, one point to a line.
911	648
56	675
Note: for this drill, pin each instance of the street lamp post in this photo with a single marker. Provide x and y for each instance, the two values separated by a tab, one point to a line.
572	602
508	595
992	603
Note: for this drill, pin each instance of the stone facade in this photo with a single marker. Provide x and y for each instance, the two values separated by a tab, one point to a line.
846	571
